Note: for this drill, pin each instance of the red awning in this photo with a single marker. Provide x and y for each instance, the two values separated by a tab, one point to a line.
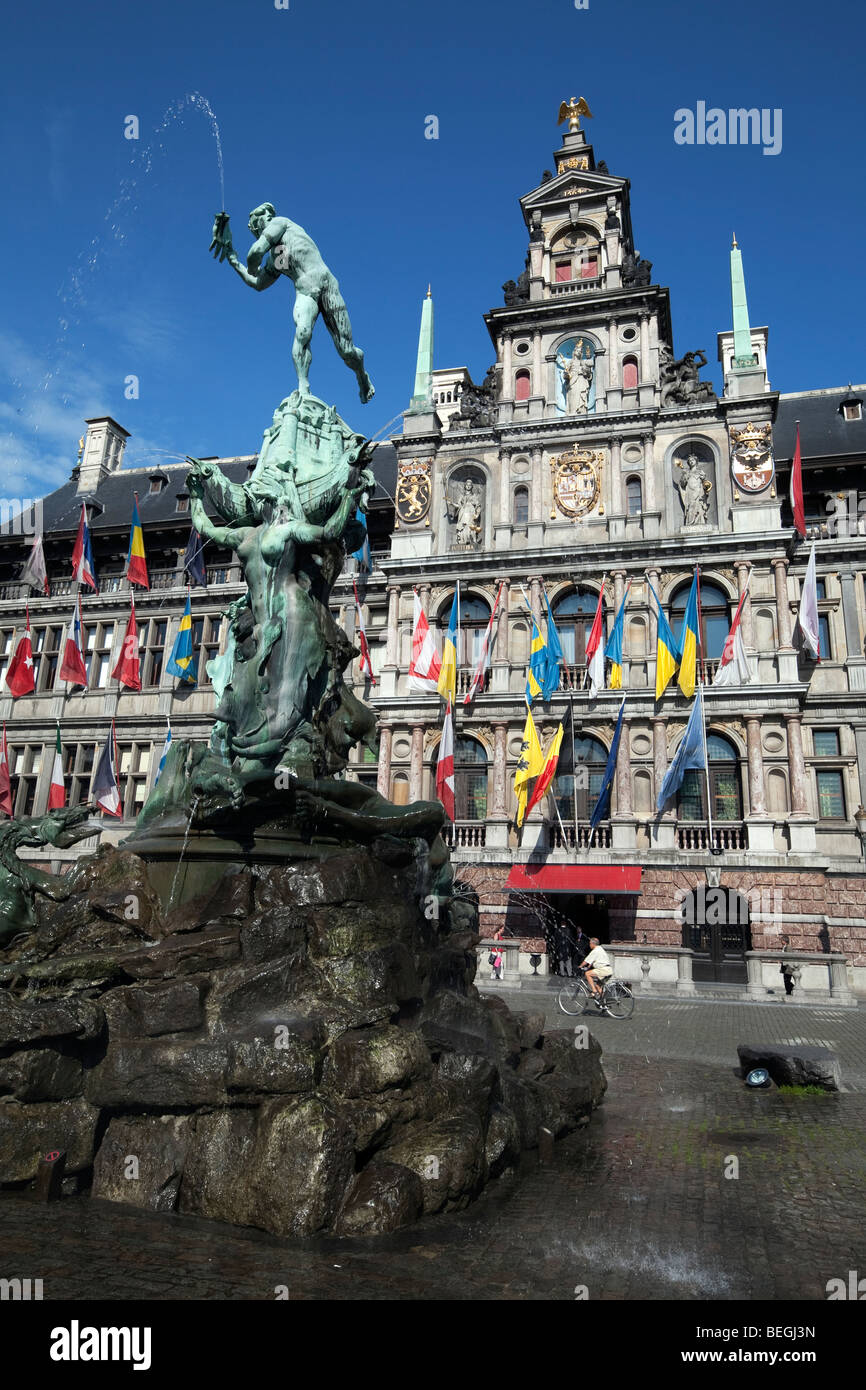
574	878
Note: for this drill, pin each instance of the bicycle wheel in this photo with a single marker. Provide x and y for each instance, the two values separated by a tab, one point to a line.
573	998
619	1000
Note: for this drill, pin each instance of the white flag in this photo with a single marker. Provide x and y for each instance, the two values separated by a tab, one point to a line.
34	572
807	620
734	666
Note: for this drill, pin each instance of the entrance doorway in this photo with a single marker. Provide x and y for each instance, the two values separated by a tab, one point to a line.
716	927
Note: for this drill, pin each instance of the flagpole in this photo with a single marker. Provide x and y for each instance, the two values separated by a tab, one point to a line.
700	625
710	830
573	764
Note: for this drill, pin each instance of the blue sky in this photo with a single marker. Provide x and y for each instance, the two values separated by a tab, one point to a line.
321	107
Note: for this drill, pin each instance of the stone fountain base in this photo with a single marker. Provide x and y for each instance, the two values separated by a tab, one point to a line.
298	1047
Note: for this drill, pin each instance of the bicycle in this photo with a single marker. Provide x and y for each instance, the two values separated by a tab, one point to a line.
616	998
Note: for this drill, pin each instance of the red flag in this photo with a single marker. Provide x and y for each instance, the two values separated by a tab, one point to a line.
5	783
445	765
797	490
128	668
19	677
73	669
57	790
366	663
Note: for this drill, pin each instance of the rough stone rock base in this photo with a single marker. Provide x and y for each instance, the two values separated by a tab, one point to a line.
793	1066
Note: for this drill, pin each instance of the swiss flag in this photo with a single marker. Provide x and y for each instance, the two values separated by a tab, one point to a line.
128	668
19	677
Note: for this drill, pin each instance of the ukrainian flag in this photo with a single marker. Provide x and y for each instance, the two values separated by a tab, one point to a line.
667	653
529	765
537	673
136	565
447	683
688	647
182	662
613	650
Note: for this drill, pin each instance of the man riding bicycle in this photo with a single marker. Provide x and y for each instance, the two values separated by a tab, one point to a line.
596	966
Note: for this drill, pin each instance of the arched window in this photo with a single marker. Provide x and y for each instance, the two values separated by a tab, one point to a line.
629	374
522	386
574	616
400	789
725	788
633	497
474	617
470	779
715	615
521	506
590	760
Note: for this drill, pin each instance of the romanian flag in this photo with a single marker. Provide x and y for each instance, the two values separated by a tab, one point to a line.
613	650
529	765
536	675
182	662
57	790
136	565
447	685
548	772
667	658
688	646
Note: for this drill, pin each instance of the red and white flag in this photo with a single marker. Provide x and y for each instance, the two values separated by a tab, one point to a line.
807	619
445	765
595	648
128	668
106	793
73	669
366	663
82	556
483	665
19	677
425	665
5	782
57	790
34	572
734	668
797	490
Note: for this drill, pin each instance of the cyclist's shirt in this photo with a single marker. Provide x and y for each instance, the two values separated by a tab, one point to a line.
599	961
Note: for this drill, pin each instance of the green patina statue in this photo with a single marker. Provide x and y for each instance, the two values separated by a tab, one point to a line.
284	248
20	882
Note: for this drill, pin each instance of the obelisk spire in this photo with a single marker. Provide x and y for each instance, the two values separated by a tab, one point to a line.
744	355
422	397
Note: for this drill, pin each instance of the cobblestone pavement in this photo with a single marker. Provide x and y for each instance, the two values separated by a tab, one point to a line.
634	1206
708	1031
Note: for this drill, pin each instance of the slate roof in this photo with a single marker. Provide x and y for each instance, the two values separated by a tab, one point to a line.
824	433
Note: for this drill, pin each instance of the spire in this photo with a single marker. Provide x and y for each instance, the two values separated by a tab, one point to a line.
422	397
743	353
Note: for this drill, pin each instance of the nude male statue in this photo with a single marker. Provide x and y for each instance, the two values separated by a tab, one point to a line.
283	247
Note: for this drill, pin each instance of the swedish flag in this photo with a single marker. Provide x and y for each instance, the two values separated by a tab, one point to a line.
182	662
447	683
667	655
688	645
537	673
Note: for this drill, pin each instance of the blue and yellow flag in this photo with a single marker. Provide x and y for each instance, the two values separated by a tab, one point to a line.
688	644
136	564
552	674
613	650
667	655
535	676
182	662
447	683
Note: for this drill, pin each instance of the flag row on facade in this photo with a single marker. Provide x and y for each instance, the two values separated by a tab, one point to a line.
35	573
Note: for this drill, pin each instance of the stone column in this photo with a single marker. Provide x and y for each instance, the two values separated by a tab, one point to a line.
644	348
746	615
536	584
617	494
391	643
501	664
801	824
649	482
757	806
416	765
612	355
383	781
618	589
537	383
786	656
855	662
623	772
654	578
507	383
500	768
663	834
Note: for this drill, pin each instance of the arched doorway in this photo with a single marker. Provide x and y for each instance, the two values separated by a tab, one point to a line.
716	927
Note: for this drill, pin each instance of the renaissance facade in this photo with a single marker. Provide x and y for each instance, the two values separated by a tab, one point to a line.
591	454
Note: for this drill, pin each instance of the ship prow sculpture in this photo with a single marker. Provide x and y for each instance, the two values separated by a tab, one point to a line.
266	993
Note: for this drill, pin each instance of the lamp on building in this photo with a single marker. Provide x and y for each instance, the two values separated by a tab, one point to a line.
860	818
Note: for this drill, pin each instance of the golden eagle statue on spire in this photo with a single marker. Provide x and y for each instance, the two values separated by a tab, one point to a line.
573	110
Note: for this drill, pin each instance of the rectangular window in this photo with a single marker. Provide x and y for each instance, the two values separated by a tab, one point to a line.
134	760
563	271
826	743
46	656
25	764
79	762
588	266
825	650
831	797
153	652
6	640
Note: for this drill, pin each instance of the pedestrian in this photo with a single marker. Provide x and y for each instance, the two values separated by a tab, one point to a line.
496	959
787	968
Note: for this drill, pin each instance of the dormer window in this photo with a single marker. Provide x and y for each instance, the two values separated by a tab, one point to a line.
852	410
157	483
182	502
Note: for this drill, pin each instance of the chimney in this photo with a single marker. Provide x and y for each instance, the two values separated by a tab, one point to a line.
103	451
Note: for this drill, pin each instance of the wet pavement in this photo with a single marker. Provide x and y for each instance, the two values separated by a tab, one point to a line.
684	1186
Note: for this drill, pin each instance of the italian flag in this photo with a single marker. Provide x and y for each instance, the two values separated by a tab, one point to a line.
57	792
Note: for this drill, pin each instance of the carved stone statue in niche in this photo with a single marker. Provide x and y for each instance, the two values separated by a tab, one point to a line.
577	373
464	513
694	488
